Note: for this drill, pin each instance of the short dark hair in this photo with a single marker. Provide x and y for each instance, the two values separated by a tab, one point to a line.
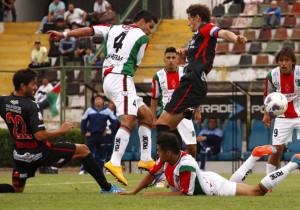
288	52
199	9
147	15
168	141
23	76
171	50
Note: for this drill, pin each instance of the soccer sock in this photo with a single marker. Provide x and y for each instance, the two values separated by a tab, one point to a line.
274	178
121	142
243	171
145	141
92	168
270	168
6	188
162	128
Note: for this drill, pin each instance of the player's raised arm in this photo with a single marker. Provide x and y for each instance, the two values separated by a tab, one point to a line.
48	134
231	37
56	36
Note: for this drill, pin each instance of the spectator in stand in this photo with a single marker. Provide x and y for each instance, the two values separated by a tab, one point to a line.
76	15
109	16
56	10
39	56
272	15
241	2
9	6
87	58
41	94
67	46
93	126
83	43
99	10
209	141
60	25
100	59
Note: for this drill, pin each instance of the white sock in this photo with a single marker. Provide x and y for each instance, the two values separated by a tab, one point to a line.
145	141
274	178
243	171
270	168
121	142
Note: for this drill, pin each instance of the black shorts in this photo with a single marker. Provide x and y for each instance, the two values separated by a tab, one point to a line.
57	155
189	94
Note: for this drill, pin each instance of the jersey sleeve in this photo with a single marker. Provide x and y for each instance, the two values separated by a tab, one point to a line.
101	30
269	87
36	118
187	179
158	168
155	90
143	41
210	30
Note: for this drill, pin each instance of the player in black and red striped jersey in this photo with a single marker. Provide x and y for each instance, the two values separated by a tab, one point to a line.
31	148
198	58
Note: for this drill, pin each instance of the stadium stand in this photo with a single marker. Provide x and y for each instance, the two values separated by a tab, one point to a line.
259	136
232	141
255	48
264	35
292	148
280	34
262	60
222	48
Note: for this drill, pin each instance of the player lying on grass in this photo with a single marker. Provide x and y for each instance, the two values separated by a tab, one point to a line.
32	149
185	178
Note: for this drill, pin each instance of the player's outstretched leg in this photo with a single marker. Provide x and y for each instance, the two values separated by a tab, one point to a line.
114	165
274	178
257	153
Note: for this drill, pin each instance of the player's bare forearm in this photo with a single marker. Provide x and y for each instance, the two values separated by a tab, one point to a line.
55	35
231	37
179	193
48	134
148	179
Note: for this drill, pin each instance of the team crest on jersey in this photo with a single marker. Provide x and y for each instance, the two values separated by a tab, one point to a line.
126	27
14	102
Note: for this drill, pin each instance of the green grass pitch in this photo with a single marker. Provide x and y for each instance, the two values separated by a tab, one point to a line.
73	191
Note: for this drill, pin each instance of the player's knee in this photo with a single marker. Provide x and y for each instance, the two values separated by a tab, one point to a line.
82	149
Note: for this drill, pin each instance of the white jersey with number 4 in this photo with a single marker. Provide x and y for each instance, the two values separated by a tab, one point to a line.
124	47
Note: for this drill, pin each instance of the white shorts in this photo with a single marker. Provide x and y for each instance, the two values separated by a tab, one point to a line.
120	89
283	130
187	131
214	184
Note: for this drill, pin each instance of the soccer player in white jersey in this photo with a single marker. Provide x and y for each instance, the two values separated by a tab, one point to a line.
164	82
124	49
284	79
185	178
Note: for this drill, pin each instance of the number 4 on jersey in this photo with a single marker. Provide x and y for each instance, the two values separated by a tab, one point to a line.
118	41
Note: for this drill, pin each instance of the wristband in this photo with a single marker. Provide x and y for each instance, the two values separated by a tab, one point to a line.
65	34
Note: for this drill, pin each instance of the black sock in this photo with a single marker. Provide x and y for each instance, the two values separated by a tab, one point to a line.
162	128
92	168
6	188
